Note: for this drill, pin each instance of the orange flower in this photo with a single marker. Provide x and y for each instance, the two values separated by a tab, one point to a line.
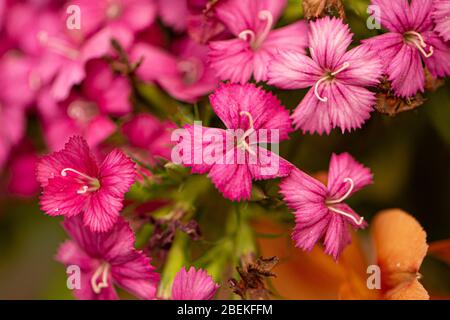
400	247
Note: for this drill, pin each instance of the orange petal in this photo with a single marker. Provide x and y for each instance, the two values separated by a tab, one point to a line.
303	275
440	250
408	291
400	243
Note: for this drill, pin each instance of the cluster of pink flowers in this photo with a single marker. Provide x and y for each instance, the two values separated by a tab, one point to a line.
65	80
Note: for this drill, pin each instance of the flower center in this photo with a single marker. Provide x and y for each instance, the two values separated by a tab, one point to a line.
99	279
417	40
256	40
328	76
90	184
331	202
57	45
242	141
191	69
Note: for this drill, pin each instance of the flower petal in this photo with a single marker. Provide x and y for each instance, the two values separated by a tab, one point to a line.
344	166
329	39
293	70
193	285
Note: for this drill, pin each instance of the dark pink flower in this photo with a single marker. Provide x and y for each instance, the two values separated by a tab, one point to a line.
12	129
146	132
106	260
111	92
193	285
185	75
74	184
441	16
236	156
22	167
337	77
320	211
409	43
255	43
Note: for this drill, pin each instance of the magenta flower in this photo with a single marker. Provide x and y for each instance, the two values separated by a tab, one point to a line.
174	13
251	22
111	92
410	42
12	129
338	97
320	211
234	157
119	15
150	134
75	184
441	16
193	285
75	116
185	75
106	260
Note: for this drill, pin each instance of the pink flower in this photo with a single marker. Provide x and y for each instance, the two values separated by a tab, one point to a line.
234	157
251	22
106	260
148	133
193	285
22	167
111	92
75	116
320	211
75	184
174	13
441	16
203	24
119	15
12	129
185	74
338	97
410	42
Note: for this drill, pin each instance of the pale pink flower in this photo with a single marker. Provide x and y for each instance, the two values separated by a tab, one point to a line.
441	16
410	43
254	117
107	260
320	211
255	43
193	285
74	184
338	79
12	129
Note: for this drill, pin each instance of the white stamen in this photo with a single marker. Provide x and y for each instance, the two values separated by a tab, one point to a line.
57	45
422	44
83	189
346	195
358	222
345	65
331	202
247	35
65	170
102	271
264	15
242	142
257	40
